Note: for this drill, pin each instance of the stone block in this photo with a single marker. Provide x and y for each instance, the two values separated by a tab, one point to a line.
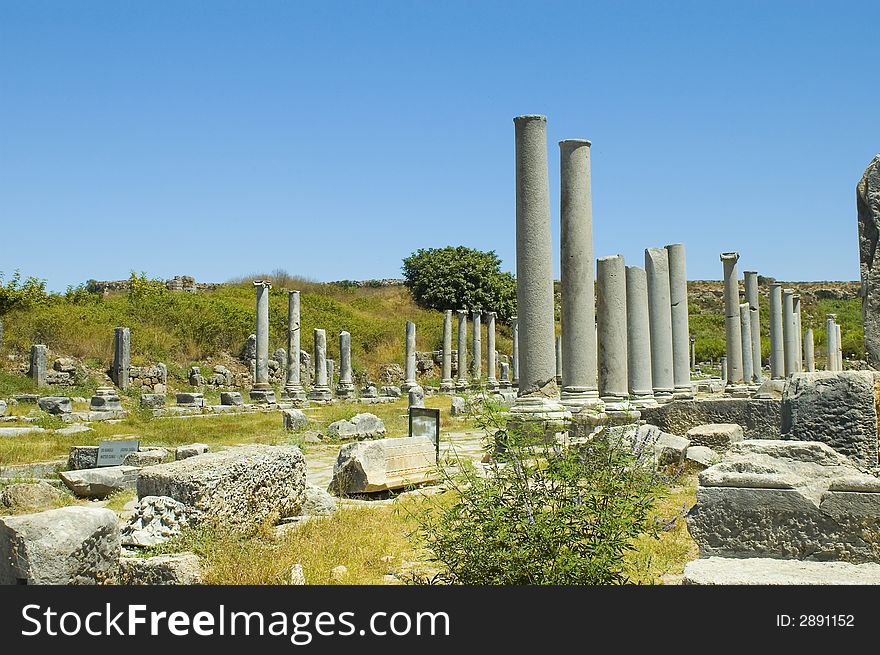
383	465
231	398
702	456
759	418
294	419
718	436
82	457
149	456
176	569
317	502
55	405
70	545
190	399
765	571
391	391
240	486
837	408
100	482
360	426
190	450
153	400
787	499
155	520
30	496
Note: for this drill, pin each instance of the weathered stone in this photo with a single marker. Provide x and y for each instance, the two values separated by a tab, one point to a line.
294	419
55	405
667	448
77	428
70	545
759	418
718	436
240	486
4	407
32	496
787	499
391	391
360	426
384	464
176	569
458	406
369	391
190	450
417	396
702	456
106	399
82	457
317	502
155	520
21	431
766	571
231	398
146	457
100	482
188	399
868	210
838	408
152	400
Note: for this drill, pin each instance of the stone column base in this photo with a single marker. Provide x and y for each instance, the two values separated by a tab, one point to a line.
683	392
409	384
447	386
639	399
263	396
320	395
539	408
294	394
663	396
345	390
737	390
579	399
462	385
492	384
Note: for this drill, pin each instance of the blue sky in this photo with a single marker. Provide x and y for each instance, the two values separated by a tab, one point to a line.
332	139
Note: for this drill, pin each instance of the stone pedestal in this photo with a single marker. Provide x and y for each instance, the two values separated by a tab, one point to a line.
538	391
320	391
447	384
345	388
105	399
638	338
293	390
660	321
735	383
777	348
678	295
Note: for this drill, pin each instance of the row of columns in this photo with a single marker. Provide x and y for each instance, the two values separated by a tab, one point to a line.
447	384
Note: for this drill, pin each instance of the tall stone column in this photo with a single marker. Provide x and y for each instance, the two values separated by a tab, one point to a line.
514	355
559	359
789	332
777	348
809	352
660	320
610	316
477	344
410	381
678	296
121	357
839	342
262	391
345	388
39	366
830	339
462	349
491	379
321	390
724	368
745	323
732	324
638	338
447	384
751	287
796	308
693	353
534	273
293	389
331	371
578	358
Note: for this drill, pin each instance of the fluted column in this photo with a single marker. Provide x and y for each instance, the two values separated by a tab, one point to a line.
732	322
678	296
447	384
578	358
789	332
293	389
410	380
491	366
610	317
638	338
660	319
462	349
751	287
534	273
777	348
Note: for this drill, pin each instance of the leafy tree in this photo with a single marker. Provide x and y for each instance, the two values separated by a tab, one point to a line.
16	294
460	278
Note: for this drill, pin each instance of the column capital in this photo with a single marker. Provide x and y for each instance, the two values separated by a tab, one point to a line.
529	118
574	143
266	284
730	256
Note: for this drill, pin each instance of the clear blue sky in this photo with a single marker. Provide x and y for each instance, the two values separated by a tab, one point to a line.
332	139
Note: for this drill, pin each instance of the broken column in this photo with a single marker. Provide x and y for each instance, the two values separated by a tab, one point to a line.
410	380
678	295
830	338
578	345
477	345
777	348
462	349
745	323
320	391
121	357
839	342
38	364
345	388
293	389
610	316
796	308
660	321
732	322
809	354
750	279
262	391
534	274
638	338
789	332
447	384
491	379
868	211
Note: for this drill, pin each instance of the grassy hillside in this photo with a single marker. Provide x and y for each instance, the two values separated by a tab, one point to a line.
182	329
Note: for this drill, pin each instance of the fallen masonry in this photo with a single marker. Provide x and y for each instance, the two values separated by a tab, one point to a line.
767	571
384	465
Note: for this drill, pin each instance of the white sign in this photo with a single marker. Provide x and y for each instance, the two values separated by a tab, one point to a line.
112	453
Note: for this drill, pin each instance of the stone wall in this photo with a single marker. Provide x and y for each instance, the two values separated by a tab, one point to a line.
149	379
759	418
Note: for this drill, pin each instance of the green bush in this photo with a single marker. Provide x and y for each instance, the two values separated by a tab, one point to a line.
460	278
544	514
